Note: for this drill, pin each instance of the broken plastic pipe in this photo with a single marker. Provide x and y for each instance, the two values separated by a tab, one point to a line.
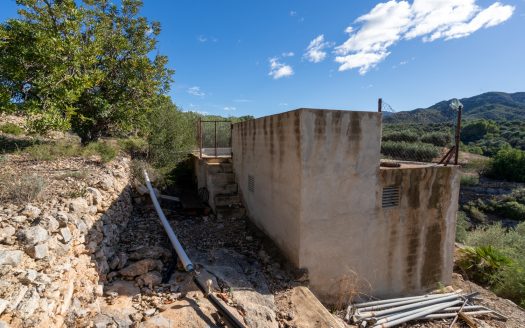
186	262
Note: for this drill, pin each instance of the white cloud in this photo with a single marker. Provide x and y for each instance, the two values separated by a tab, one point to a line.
287	54
202	38
392	21
196	91
293	13
315	51
229	108
278	69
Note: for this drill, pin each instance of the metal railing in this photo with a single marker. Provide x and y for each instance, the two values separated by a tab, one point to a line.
214	138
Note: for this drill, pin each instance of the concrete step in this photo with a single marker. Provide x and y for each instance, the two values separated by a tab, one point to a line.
224	212
227	167
220	179
213	168
228	189
227	200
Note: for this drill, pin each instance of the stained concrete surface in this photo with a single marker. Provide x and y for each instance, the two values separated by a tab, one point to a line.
317	191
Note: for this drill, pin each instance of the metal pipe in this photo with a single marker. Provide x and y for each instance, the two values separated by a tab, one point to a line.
188	265
232	320
458	133
452	314
408	301
360	316
457	314
411	315
363	304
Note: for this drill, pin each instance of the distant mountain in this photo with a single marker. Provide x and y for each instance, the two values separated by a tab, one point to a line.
497	106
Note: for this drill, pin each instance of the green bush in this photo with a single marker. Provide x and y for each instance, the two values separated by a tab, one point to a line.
474	131
469	180
171	136
508	164
136	147
482	263
509	280
55	150
11	128
462	227
439	139
105	150
421	152
512	210
407	136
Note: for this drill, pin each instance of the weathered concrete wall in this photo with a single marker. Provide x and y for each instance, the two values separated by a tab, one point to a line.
318	193
340	166
418	235
269	150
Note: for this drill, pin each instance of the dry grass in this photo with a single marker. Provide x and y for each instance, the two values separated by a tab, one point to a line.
350	287
20	189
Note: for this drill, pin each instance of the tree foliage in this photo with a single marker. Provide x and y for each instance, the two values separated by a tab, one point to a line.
476	130
508	164
85	66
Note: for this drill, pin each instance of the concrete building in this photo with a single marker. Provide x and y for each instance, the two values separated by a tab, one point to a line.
312	181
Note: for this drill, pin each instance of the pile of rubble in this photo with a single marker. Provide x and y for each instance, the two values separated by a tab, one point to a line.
55	252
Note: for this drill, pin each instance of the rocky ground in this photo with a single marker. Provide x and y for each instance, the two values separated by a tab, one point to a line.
147	289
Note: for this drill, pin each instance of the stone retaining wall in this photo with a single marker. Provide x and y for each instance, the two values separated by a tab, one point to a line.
55	254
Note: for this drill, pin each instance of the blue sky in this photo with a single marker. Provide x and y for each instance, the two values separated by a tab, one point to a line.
238	57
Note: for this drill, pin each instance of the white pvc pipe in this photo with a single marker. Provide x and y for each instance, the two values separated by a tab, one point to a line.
403	302
188	265
426	311
366	304
363	315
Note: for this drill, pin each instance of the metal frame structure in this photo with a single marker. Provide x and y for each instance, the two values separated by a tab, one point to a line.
200	134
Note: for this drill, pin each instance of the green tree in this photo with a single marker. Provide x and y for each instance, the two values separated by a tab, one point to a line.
87	66
474	131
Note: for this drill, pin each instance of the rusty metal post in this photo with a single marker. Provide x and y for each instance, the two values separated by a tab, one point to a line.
379	104
458	133
215	138
200	137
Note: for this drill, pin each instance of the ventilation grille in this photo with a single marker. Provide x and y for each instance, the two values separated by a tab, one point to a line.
390	196
251	183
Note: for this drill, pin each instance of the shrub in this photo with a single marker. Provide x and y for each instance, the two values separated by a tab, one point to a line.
474	212
407	136
508	164
105	150
136	147
409	151
171	136
482	263
477	130
462	226
53	150
512	210
469	180
510	283
20	189
509	280
439	139
11	128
